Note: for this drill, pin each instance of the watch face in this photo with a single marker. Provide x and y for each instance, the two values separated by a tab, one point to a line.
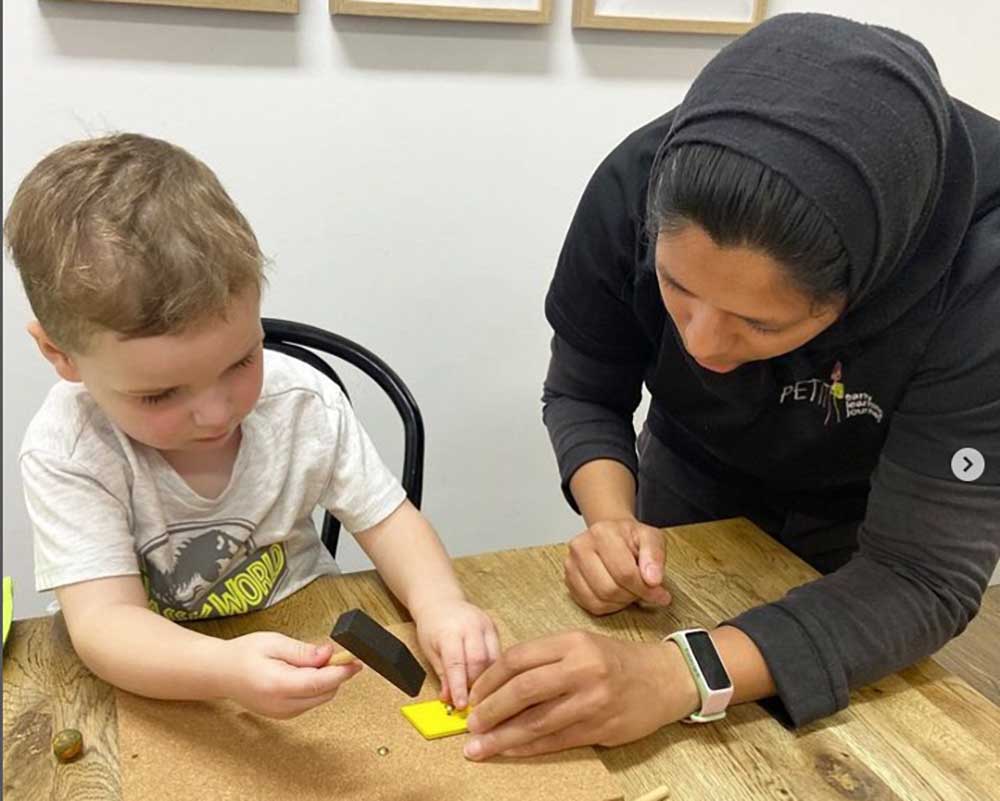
708	660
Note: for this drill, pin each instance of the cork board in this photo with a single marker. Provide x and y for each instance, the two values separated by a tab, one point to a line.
219	751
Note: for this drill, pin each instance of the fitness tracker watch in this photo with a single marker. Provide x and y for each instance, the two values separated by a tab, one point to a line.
715	688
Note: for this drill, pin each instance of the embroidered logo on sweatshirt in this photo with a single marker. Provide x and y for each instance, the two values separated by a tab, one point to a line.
832	397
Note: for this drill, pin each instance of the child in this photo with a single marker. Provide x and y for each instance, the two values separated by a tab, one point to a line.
172	473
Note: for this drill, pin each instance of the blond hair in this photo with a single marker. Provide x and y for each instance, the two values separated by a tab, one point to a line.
128	234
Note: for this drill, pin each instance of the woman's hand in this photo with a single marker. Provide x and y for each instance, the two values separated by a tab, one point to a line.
273	675
574	689
460	640
615	563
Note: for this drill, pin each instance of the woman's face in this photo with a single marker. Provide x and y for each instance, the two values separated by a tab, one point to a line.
733	305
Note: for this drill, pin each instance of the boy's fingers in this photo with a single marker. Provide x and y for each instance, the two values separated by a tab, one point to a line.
304	683
445	694
299	705
453	661
435	660
492	644
298	653
476	656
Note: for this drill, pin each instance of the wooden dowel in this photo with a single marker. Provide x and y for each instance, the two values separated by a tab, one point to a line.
342	658
658	794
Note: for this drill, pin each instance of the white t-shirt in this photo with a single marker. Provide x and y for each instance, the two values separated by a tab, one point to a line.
104	505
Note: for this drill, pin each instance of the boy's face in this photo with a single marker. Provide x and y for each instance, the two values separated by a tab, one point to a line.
176	392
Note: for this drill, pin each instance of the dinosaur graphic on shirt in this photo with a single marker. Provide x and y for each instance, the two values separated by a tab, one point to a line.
204	569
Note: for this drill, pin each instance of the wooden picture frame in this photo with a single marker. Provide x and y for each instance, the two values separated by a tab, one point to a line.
528	12
587	15
270	6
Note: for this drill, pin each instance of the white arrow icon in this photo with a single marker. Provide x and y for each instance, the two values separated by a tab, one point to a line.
968	464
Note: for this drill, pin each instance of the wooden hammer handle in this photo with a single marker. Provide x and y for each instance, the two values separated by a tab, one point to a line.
342	658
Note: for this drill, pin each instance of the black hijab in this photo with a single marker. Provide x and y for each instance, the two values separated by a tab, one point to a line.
856	118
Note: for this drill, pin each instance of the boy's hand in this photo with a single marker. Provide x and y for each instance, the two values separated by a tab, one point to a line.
460	641
273	675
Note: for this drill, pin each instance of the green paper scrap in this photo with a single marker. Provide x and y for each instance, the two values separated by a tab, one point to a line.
8	605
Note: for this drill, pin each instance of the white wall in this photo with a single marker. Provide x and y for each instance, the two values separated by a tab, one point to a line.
412	183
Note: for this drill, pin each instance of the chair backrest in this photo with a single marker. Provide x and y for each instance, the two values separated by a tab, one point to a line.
302	341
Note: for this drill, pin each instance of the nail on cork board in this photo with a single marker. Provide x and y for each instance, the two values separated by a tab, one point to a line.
359	746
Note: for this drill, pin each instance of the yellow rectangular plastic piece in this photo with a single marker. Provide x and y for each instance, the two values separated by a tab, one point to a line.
433	719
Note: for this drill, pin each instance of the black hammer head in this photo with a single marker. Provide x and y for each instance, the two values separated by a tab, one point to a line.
380	650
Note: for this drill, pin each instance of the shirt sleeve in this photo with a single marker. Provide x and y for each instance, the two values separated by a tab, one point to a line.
81	530
362	491
589	301
588	408
928	544
600	350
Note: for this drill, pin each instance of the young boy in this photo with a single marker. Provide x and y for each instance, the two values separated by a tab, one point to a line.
172	473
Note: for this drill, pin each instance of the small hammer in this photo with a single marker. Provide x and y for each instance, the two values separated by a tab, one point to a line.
366	640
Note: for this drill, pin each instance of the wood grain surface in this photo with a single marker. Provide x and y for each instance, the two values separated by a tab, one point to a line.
975	654
919	735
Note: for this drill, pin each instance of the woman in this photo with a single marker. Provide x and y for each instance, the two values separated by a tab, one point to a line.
802	264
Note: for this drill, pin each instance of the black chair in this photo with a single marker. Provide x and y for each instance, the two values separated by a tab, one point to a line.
301	341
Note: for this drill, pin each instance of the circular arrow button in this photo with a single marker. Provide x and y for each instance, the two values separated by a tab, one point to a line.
968	464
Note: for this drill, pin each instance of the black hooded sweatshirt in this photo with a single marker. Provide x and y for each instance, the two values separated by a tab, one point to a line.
865	419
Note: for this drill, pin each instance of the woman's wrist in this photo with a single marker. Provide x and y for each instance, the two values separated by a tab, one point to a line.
677	694
745	664
604	489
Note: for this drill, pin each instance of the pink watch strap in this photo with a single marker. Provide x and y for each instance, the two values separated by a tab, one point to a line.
716	701
713	702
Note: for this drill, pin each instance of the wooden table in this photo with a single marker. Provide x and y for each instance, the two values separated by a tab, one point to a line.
919	734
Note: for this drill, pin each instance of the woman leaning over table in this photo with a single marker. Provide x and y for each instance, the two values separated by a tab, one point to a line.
802	264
